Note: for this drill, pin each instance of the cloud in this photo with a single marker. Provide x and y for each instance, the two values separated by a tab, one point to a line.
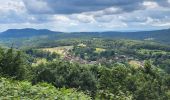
37	6
79	6
85	15
82	18
150	4
10	11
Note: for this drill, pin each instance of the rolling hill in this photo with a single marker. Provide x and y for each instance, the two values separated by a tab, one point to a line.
156	35
27	32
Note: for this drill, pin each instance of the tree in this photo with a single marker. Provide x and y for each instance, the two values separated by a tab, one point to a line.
147	66
12	64
65	74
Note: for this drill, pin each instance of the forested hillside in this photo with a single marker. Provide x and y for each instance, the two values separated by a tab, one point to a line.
27	32
13	35
107	69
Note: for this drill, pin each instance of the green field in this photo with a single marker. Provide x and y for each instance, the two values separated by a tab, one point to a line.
62	50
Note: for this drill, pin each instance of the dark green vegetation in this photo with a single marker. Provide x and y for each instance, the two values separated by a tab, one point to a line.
28	36
15	66
95	68
14	90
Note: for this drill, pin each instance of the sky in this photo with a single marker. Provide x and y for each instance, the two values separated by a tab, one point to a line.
85	15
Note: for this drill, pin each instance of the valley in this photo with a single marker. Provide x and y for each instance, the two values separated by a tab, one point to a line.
93	66
84	49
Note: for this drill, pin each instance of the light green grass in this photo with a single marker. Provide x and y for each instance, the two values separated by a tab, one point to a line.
62	50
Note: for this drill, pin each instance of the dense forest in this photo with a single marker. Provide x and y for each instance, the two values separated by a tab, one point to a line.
86	69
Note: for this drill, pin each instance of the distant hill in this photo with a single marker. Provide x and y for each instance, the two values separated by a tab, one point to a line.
156	35
160	35
27	32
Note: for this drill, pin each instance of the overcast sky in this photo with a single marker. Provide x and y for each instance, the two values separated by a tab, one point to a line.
85	15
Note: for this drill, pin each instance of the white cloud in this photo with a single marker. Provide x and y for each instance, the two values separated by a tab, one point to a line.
107	11
60	18
113	25
150	4
162	24
11	5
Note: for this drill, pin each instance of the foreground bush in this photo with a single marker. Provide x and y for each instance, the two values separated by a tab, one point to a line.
16	90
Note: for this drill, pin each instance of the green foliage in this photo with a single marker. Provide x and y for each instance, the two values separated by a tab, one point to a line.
65	74
112	83
147	66
111	78
89	53
117	82
12	64
132	84
42	54
15	90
